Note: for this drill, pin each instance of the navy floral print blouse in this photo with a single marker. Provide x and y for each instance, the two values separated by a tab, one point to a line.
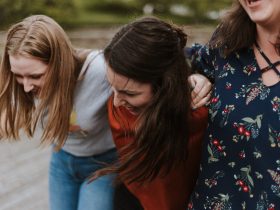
240	167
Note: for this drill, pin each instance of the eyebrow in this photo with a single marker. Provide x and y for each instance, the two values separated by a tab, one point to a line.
35	74
129	91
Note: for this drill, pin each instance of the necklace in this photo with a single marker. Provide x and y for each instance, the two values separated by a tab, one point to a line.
270	64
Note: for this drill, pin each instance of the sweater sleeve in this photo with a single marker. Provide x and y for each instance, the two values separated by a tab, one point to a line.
172	191
202	59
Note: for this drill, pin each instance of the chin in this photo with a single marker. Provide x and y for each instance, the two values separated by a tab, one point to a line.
36	94
132	111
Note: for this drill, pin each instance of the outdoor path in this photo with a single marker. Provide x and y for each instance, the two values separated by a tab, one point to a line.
23	164
23	175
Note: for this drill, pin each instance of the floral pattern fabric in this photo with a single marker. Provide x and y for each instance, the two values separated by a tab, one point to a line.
240	167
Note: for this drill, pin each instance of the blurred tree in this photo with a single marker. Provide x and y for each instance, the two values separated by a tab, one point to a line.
13	10
161	6
64	10
121	7
201	7
50	2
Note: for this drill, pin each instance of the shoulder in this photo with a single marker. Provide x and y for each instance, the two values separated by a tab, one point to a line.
199	119
94	65
97	64
96	59
82	53
201	52
199	114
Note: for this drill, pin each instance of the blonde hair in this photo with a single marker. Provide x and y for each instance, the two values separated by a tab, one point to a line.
39	37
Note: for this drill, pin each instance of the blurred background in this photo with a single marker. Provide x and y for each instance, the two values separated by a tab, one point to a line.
87	21
80	13
89	24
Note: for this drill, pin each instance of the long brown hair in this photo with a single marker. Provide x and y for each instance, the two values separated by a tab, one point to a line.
236	31
39	37
150	51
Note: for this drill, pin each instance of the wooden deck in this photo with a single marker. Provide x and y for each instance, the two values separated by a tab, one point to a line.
23	175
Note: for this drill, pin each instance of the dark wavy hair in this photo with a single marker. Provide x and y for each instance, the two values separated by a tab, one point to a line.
150	51
236	31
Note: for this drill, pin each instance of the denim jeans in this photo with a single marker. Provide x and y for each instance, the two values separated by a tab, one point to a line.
68	185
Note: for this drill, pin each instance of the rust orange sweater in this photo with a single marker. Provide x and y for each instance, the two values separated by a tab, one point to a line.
172	191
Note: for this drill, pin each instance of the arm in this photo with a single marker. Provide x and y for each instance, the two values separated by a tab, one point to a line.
201	59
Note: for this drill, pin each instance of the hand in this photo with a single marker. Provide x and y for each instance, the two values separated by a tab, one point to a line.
201	90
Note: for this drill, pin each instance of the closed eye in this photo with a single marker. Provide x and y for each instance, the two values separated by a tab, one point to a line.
35	76
131	94
18	76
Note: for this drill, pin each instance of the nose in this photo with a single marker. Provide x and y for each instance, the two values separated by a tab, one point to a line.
118	100
27	85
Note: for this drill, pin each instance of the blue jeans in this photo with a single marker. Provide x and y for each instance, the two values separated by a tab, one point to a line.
68	185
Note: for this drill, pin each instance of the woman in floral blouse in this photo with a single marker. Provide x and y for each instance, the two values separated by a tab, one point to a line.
240	167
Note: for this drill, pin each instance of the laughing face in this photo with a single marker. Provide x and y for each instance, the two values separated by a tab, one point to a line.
262	12
29	72
131	94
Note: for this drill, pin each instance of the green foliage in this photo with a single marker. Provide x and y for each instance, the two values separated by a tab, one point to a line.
201	7
96	19
198	7
161	6
74	13
13	10
112	6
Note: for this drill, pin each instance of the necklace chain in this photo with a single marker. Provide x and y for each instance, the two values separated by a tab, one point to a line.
270	64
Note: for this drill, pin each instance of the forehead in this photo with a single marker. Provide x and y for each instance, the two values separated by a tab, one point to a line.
121	82
26	65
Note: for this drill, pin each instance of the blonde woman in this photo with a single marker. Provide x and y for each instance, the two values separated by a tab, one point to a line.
44	80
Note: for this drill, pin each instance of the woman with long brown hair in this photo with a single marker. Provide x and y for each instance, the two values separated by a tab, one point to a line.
157	135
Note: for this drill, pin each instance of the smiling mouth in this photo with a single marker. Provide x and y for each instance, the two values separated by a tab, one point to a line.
132	110
35	92
251	1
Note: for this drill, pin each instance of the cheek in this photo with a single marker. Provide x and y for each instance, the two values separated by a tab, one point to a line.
39	83
141	101
19	80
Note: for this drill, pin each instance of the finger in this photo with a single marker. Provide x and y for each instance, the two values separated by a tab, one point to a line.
197	91
202	102
191	82
203	92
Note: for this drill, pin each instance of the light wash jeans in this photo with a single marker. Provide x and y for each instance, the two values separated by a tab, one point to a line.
68	185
